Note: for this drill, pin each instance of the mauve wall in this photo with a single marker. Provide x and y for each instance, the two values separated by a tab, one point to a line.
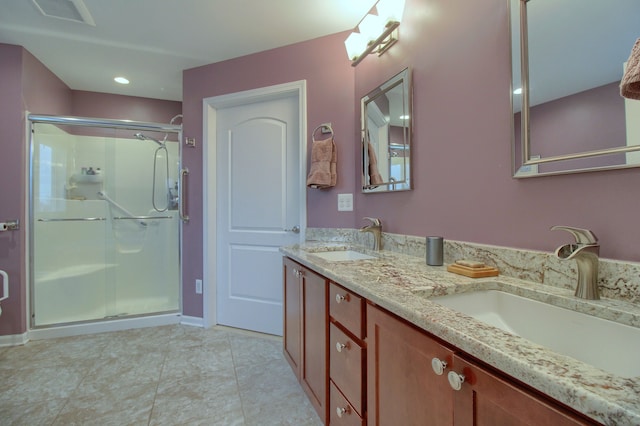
12	319
27	85
459	53
586	121
324	65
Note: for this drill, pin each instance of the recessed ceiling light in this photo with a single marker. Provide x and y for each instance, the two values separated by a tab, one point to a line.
518	91
121	80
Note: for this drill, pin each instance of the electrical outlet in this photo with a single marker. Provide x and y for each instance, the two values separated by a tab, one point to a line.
198	286
345	202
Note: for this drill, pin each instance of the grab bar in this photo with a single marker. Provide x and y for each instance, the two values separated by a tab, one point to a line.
182	198
73	219
112	203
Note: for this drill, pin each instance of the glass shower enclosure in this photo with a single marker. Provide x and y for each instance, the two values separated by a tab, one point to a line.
105	219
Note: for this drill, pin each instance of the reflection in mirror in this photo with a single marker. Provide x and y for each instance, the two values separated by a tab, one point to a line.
568	59
386	133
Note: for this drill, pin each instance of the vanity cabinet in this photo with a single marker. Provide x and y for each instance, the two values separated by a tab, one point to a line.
306	325
360	364
486	398
347	357
403	387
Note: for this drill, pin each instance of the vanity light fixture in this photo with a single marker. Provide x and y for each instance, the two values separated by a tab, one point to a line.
376	32
121	80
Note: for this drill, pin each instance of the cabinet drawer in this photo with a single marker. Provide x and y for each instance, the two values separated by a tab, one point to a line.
346	366
341	411
348	309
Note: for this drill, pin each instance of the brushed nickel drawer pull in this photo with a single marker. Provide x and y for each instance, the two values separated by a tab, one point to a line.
438	366
455	380
341	346
340	411
340	298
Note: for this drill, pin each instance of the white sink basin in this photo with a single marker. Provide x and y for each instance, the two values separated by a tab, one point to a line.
604	344
343	255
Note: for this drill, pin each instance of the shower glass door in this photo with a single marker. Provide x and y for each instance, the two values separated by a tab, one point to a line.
105	224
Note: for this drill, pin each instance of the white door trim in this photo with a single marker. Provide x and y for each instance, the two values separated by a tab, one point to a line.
209	158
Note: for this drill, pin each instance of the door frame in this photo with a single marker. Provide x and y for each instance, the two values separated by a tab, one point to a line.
210	106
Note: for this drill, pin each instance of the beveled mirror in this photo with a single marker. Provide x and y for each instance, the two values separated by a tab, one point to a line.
568	58
386	136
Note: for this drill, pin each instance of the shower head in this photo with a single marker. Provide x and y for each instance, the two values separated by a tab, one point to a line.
142	137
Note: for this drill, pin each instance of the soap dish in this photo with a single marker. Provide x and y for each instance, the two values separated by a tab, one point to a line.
475	272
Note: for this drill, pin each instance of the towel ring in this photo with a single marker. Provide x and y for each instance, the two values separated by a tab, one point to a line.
323	125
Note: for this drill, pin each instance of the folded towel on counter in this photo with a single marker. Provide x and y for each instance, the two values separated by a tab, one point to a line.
374	175
324	159
630	84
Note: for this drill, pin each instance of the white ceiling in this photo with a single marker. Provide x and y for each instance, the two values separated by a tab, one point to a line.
152	41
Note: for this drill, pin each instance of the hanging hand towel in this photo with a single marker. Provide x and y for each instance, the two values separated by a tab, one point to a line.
324	158
374	175
630	84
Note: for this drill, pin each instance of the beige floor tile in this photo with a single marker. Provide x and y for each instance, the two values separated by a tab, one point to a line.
112	373
273	396
249	350
32	414
122	406
207	399
30	385
173	375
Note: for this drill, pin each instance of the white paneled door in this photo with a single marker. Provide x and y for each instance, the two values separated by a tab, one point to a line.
258	196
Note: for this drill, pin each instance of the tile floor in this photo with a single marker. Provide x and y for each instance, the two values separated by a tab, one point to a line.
171	375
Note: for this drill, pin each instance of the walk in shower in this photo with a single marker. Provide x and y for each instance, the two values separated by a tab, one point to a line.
105	212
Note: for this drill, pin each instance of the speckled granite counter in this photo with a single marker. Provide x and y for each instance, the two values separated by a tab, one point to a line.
403	284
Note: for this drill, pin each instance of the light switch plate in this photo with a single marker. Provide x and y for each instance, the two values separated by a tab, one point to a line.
345	202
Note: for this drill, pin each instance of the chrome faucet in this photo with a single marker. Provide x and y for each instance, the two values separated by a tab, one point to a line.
585	252
375	227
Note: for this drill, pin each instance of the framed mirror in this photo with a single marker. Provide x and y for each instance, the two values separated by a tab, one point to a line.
386	135
568	58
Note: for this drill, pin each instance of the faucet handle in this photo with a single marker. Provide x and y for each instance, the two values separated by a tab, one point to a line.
582	236
373	220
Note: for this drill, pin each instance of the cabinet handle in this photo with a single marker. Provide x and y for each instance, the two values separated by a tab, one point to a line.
341	346
297	272
340	411
438	366
340	298
455	380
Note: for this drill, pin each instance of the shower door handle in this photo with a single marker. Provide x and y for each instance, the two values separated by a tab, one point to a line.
182	198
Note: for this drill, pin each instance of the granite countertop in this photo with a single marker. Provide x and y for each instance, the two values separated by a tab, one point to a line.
403	284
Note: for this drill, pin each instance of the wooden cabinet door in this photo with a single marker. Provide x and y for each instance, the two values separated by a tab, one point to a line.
486	399
402	388
314	374
292	341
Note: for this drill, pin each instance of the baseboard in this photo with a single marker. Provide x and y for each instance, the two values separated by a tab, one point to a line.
192	321
14	339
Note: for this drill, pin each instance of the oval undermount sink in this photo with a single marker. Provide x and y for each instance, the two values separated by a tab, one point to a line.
343	255
604	344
